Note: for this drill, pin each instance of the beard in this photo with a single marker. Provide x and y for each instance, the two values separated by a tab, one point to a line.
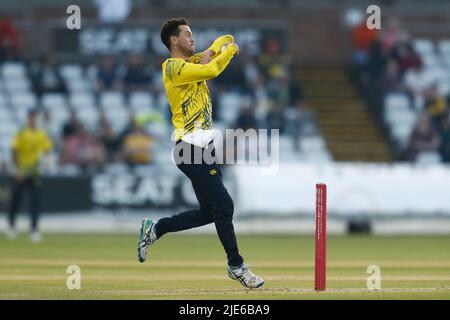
188	51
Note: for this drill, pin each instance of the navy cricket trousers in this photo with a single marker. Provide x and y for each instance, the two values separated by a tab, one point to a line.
19	187
215	202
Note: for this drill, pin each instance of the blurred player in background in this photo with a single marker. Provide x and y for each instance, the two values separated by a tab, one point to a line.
28	147
184	77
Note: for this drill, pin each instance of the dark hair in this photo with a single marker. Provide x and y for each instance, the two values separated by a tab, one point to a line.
170	28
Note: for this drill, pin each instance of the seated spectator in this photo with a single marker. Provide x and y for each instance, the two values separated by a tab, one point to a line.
377	62
247	119
3	163
423	138
46	78
391	81
108	75
445	137
82	149
405	55
9	42
275	116
283	90
72	126
436	106
132	123
362	40
136	76
136	147
109	140
392	35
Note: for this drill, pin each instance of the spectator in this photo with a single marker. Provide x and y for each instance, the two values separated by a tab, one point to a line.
110	142
405	55
72	126
278	87
424	138
3	163
9	42
108	75
392	35
46	78
391	81
136	147
377	62
445	137
362	40
136	76
436	106
132	123
274	117
82	149
247	119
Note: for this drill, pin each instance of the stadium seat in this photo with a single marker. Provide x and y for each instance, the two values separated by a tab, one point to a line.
428	158
89	116
444	88
8	129
396	100
21	116
79	100
444	47
431	60
3	101
54	100
5	115
118	120
25	100
17	84
423	46
78	85
91	75
140	101
401	133
13	70
116	168
111	99
71	71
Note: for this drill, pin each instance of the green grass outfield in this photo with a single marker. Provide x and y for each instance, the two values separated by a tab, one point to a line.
193	267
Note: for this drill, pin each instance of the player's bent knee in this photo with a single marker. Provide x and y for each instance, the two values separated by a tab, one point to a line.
225	205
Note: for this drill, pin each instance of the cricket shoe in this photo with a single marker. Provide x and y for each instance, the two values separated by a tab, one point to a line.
245	276
35	237
146	238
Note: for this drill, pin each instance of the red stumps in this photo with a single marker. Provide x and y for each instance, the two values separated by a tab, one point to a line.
321	236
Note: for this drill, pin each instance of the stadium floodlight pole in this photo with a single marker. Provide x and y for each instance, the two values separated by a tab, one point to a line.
321	237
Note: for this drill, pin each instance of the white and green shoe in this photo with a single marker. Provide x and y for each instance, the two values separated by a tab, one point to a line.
146	238
245	277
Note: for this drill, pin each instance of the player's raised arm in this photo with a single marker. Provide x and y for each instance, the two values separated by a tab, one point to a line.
182	72
213	51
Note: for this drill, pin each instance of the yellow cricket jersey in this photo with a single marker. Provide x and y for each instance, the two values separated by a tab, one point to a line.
29	145
186	89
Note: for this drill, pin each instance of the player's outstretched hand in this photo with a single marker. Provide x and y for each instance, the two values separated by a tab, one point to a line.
233	44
